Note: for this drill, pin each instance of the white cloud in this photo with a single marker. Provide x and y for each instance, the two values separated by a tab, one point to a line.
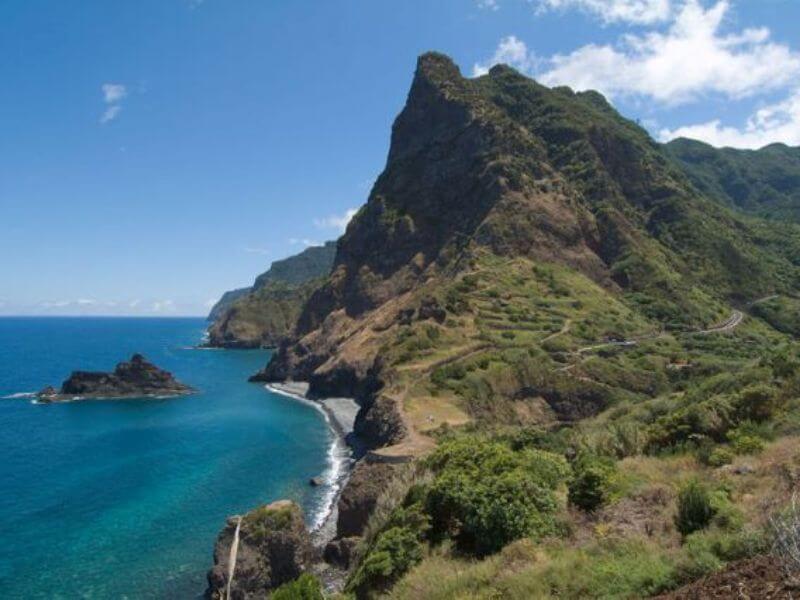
488	4
113	92
337	222
510	51
690	59
163	306
110	113
134	303
779	122
304	242
55	304
642	12
85	302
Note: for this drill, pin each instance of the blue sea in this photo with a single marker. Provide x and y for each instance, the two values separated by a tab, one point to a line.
124	499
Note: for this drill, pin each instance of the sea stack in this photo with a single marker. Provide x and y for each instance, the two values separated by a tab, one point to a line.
136	378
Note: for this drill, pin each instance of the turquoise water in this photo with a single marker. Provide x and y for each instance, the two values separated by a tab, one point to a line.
114	499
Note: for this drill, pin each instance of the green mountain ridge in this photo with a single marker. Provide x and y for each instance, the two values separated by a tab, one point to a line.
764	182
265	313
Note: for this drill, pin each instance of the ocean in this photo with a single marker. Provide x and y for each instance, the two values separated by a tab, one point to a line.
124	498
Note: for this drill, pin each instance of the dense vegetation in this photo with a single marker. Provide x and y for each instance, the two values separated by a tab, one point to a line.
764	182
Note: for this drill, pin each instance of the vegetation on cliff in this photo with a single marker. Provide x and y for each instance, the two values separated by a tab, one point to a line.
266	313
564	327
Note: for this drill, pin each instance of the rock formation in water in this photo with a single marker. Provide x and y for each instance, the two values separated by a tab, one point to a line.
136	378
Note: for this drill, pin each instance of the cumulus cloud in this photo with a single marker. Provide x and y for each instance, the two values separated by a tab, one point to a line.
488	4
510	51
779	122
337	222
692	58
113	95
643	12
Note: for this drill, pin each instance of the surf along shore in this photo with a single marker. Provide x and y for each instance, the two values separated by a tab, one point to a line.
340	415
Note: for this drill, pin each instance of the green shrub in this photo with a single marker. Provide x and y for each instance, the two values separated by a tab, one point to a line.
305	587
695	509
721	455
485	495
395	551
591	482
757	402
746	444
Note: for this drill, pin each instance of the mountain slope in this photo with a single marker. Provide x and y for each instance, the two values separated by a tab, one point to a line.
573	343
763	182
502	166
264	314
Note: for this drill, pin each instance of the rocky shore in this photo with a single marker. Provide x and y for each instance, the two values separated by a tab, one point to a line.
136	378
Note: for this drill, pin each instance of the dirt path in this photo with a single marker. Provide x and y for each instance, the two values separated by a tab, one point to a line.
232	557
564	329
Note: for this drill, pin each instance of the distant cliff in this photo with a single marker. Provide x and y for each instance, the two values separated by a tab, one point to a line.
262	315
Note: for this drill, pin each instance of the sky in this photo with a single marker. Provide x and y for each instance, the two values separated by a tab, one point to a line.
155	153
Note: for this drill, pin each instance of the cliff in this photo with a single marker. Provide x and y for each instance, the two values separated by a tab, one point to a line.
265	313
262	550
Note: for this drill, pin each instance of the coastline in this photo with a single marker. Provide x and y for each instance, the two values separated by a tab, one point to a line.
340	416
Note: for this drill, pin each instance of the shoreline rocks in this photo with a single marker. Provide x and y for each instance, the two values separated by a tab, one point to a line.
273	548
136	378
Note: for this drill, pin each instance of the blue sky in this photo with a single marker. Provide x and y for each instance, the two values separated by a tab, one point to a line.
156	153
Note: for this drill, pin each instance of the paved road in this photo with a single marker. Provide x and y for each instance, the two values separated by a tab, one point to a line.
729	324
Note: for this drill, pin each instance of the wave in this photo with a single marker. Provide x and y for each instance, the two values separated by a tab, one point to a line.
19	395
339	457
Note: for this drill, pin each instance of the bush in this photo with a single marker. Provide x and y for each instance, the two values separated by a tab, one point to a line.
695	509
721	455
757	402
305	587
485	495
591	483
395	551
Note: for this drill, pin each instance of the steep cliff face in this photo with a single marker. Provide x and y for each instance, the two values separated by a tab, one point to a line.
503	167
264	549
266	313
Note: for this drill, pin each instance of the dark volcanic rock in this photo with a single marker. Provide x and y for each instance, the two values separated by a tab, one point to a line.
360	495
380	423
274	548
342	552
134	379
